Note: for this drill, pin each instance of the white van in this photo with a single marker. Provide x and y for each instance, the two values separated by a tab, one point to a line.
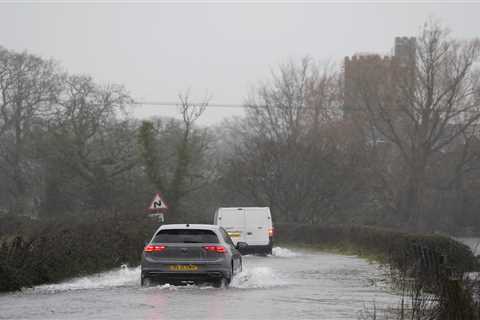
252	225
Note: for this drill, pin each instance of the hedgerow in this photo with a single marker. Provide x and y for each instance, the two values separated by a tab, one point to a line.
51	252
402	250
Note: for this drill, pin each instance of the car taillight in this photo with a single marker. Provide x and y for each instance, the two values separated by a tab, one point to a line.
154	248
218	249
270	232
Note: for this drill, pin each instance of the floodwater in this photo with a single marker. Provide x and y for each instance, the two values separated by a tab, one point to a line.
290	284
473	243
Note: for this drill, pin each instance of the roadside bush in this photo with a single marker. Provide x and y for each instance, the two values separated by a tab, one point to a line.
55	251
401	250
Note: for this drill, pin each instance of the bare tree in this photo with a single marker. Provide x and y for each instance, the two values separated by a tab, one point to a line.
190	113
90	140
277	110
174	154
285	157
422	106
29	86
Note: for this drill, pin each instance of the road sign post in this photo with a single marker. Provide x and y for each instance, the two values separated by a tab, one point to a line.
158	207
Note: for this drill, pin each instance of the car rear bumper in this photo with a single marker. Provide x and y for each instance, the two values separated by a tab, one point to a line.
205	271
184	276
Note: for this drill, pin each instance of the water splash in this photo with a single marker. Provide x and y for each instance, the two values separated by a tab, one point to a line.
173	287
120	277
258	277
252	278
284	252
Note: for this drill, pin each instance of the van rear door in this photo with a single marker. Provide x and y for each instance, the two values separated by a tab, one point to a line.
233	221
257	222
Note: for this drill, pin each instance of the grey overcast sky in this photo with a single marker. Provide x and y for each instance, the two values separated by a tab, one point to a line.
159	49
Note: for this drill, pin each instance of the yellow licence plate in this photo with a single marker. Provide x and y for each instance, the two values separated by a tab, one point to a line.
234	234
183	267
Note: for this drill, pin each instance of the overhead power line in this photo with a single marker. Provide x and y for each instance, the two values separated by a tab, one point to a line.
176	104
212	105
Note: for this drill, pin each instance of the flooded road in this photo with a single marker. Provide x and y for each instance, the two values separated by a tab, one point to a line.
290	284
473	243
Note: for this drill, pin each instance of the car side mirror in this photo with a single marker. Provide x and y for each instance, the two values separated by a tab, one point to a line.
146	242
241	245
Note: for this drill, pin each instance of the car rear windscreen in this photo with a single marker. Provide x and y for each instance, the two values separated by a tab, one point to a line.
185	236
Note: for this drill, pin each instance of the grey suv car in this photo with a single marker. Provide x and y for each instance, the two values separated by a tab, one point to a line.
180	253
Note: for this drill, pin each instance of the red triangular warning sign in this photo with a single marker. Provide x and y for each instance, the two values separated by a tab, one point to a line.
158	204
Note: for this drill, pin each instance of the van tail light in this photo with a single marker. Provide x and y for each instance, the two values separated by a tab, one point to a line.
154	248
218	249
270	232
